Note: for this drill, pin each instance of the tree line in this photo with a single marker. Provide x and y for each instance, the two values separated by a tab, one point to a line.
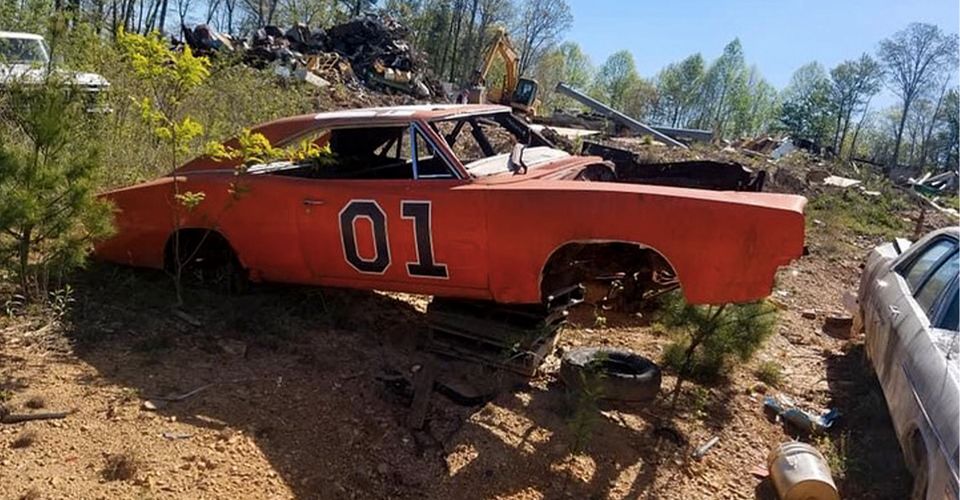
832	109
829	109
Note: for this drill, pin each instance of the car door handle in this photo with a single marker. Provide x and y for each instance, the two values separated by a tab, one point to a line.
894	311
312	203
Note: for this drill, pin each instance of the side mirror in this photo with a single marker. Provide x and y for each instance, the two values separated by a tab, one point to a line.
516	159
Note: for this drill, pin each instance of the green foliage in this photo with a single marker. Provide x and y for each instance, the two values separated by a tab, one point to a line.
807	111
49	172
170	77
724	90
850	210
853	83
709	340
615	79
584	404
567	63
835	450
769	373
679	85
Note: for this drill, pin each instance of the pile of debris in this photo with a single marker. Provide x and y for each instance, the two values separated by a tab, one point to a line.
368	50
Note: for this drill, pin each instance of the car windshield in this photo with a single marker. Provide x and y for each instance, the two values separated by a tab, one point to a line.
22	51
484	142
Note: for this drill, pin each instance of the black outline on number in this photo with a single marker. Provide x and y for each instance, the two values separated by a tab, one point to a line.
373	226
431	255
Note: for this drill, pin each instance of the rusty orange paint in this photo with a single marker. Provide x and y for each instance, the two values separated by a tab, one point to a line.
493	234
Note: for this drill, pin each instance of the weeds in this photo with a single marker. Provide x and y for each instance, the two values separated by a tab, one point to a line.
121	466
769	373
24	440
851	210
835	451
36	403
586	409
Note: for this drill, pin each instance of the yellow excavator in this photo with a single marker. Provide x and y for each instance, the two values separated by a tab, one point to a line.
518	93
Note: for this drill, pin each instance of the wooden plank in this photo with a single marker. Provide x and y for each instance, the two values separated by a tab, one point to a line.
422	392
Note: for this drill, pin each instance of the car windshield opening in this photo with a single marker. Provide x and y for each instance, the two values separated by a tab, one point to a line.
22	51
387	153
484	142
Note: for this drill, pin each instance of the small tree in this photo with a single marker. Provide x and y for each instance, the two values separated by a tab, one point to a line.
711	338
169	77
49	165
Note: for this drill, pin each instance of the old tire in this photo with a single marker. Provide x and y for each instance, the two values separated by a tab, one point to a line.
610	374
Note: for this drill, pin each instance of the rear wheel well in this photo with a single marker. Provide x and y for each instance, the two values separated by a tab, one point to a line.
917	455
642	271
205	256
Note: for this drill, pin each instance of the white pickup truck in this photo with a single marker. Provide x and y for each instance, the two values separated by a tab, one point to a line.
25	58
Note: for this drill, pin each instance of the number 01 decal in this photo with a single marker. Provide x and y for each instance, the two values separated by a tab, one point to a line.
420	212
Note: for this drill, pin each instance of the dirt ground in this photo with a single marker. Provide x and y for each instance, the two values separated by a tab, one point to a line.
303	395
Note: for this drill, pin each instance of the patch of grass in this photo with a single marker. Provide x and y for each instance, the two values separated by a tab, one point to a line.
599	319
5	395
36	403
836	451
851	210
769	373
121	466
699	401
24	440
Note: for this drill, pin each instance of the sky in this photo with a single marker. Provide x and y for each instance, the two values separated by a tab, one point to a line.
777	36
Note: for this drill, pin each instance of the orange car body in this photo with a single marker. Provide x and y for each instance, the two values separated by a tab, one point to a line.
488	237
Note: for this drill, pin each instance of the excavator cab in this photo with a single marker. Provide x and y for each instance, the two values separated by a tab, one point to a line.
525	97
518	93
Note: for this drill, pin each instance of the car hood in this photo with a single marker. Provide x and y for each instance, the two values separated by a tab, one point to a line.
31	74
533	158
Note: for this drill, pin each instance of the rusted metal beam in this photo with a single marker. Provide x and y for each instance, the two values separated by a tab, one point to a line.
625	120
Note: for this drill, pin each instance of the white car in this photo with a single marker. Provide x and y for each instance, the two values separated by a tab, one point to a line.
908	308
25	58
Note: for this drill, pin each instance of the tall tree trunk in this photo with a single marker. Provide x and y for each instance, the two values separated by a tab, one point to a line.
470	47
856	132
896	145
928	134
456	39
837	144
446	44
844	131
163	16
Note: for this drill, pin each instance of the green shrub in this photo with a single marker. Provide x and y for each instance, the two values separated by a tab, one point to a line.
769	373
710	340
49	173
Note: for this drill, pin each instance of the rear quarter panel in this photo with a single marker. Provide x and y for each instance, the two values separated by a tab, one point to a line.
724	246
259	222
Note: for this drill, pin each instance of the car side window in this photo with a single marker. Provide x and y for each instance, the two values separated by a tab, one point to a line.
428	162
937	284
917	271
951	318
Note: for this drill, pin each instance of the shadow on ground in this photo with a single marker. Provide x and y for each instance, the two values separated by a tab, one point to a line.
300	371
865	447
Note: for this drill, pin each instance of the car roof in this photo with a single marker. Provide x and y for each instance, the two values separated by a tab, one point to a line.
414	112
281	132
15	34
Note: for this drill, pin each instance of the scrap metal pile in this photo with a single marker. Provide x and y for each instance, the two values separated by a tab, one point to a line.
369	50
